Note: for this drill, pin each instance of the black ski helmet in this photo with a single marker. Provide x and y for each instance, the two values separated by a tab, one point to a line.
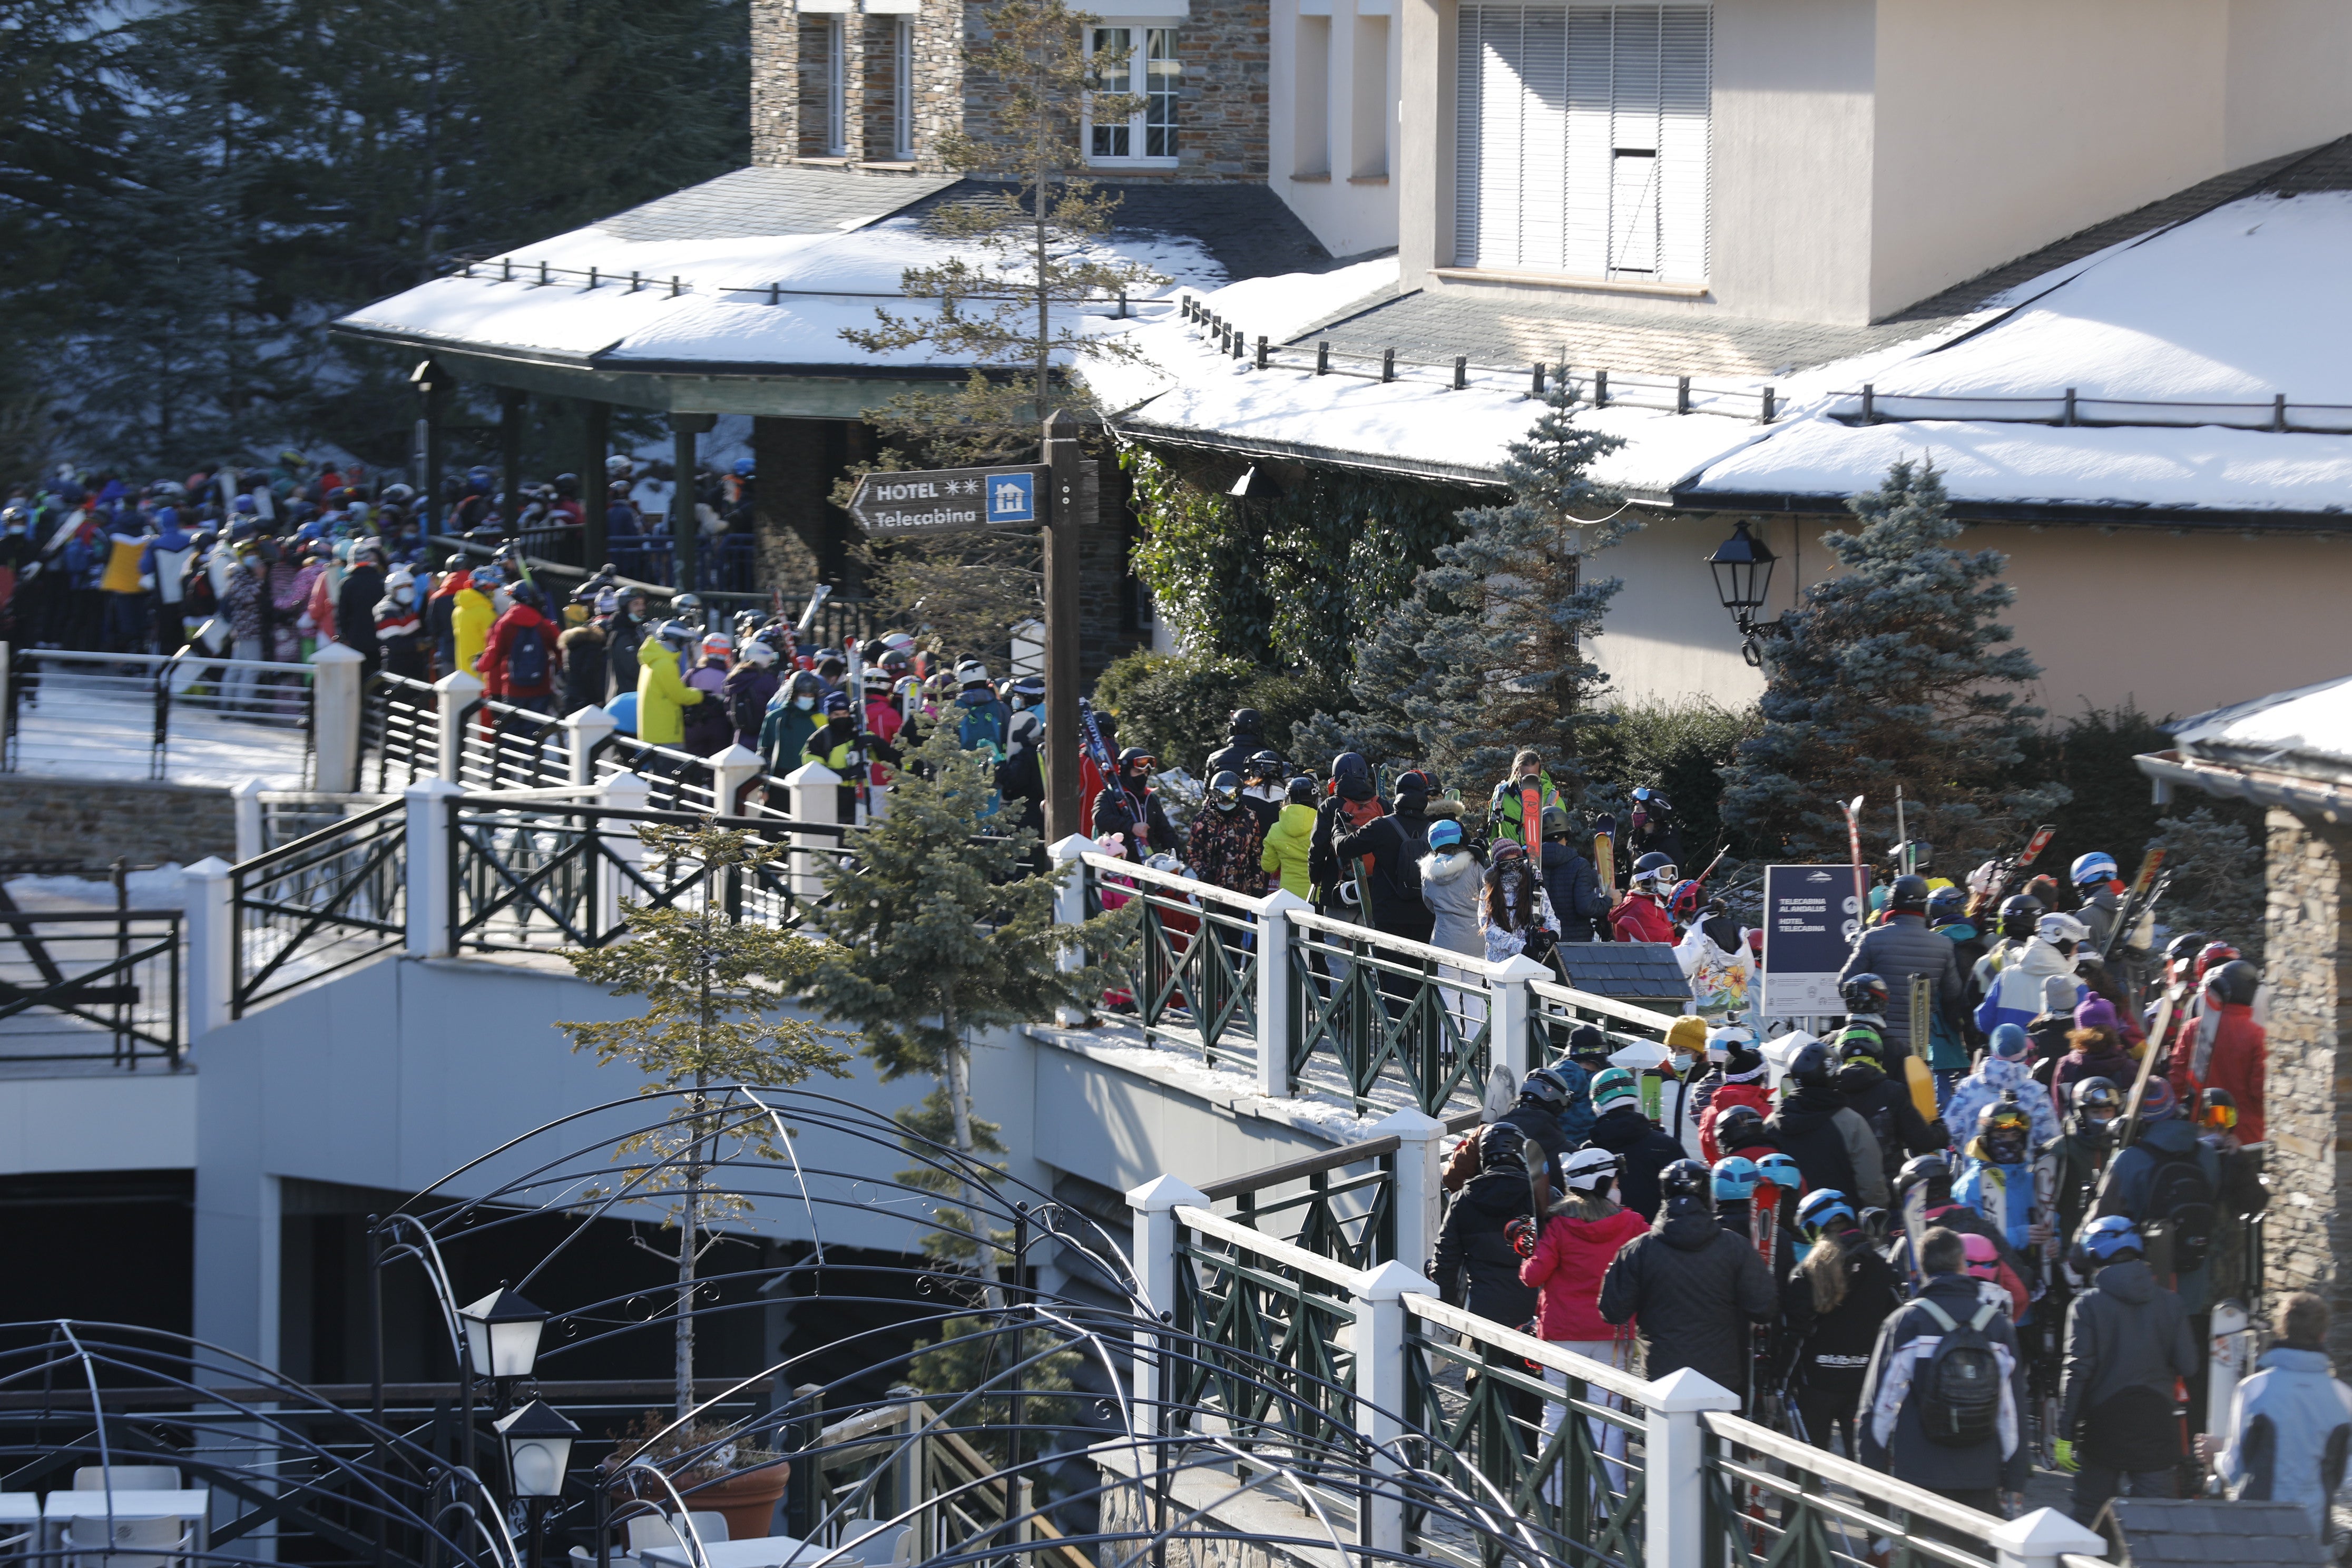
1686	1179
1908	893
2019	912
1932	1168
1863	994
2099	1094
2184	948
1811	1064
1501	1146
1224	789
1945	905
1738	1126
1245	721
2235	982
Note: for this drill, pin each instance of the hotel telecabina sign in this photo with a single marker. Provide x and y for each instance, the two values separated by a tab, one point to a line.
949	501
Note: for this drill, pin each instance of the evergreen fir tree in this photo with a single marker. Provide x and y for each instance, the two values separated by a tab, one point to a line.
941	927
1895	671
1488	656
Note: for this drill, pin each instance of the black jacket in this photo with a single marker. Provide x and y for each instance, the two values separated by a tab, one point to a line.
1021	785
355	604
1236	751
1904	1451
1695	1287
1886	1108
1831	1349
1473	1243
2127	1340
1644	1149
1116	810
1396	843
1541	1124
1895	952
1575	889
1832	1145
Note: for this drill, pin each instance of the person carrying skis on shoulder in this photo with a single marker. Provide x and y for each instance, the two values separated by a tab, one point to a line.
1505	807
1895	952
1833	1146
1929	1176
1883	1105
2004	1070
2227	1048
1948	1041
1642	915
2099	896
1351	801
1573	886
1737	1080
1832	1304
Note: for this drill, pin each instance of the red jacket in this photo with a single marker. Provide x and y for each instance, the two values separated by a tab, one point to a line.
2233	1060
1729	1095
492	664
1570	1258
1640	918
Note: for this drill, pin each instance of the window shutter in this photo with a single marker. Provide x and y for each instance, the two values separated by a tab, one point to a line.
1590	139
1684	73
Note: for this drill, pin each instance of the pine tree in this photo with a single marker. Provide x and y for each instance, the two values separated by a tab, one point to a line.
1488	655
2217	887
1895	671
716	992
941	927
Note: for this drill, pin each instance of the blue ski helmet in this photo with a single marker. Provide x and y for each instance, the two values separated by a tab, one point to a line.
2098	865
1821	1208
2107	1239
1734	1179
1781	1171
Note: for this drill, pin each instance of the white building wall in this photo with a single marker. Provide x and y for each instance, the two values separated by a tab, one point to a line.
1332	120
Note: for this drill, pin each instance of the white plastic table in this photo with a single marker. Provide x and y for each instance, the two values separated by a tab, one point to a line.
760	1552
192	1504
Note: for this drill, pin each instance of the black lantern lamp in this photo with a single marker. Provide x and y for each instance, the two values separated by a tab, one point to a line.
502	1334
1742	565
537	1440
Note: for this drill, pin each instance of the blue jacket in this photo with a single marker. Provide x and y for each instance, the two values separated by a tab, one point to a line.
2002	1196
2015	994
1576	1117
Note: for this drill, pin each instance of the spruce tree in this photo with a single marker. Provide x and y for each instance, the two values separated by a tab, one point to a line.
1488	656
1895	671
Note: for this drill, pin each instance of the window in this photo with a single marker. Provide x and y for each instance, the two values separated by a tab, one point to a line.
902	89
1147	68
1582	140
1371	111
837	86
1311	100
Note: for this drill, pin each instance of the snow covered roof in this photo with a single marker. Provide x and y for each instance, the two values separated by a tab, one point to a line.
2185	333
2308	729
759	271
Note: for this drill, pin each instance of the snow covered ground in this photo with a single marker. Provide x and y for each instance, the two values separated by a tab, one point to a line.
83	726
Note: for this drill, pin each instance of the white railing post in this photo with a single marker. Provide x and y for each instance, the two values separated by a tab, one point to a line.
1507	1038
1277	1012
430	866
1381	1385
453	693
1155	1204
1070	909
335	716
2224	1365
1419	1168
211	946
817	801
1674	1496
731	770
622	792
244	800
2039	1539
585	730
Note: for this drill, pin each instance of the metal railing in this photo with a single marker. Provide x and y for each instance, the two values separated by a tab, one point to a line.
531	876
1552	1434
153	716
1383	1006
400	733
90	985
1194	970
1348	1218
675	780
1555	1010
1775	1502
2066	408
319	905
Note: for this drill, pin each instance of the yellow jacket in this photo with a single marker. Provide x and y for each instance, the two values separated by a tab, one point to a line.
470	619
122	559
1286	843
662	697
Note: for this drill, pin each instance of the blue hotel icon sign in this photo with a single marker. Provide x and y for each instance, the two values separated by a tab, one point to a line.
1013	498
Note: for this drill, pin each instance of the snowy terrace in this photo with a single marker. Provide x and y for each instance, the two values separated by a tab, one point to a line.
2205	366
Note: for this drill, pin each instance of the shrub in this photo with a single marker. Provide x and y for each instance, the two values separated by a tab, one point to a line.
1678	749
1175	706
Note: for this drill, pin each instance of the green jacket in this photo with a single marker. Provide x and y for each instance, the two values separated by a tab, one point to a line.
1287	842
1503	810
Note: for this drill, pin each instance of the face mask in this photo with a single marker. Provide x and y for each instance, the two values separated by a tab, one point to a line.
403	596
804	703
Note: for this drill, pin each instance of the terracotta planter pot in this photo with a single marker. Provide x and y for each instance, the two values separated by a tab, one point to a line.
748	1497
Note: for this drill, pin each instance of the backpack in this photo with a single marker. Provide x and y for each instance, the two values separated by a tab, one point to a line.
527	657
2181	1210
746	710
979	728
1959	1391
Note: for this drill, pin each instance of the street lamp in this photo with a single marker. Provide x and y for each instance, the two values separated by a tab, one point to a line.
1742	565
502	1334
538	1441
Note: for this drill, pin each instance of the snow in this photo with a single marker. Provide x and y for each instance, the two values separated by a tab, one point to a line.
829	283
1982	461
159	888
79	726
2309	722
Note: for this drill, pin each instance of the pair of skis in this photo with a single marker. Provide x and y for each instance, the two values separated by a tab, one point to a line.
2146	886
2005	870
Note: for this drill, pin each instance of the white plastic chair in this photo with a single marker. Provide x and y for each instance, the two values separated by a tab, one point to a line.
127	1478
648	1529
133	1546
870	1541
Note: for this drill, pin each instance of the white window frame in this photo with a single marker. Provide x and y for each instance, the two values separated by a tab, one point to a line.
902	105
1143	33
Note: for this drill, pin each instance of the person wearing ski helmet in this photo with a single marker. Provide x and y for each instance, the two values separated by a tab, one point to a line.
2226	1048
1224	843
1583	1233
750	689
2020	992
1650	824
1476	1264
1451	890
2169	1184
2127	1344
1883	1105
2068	1168
520	660
1931	1176
1642	915
1832	1305
1832	1145
663	695
1392	848
1997	1181
1733	1187
1351	801
1740	1130
1505	806
1898	950
1570	880
1643	1149
1245	735
1536	1113
1129	808
1691	1288
1736	1081
2098	895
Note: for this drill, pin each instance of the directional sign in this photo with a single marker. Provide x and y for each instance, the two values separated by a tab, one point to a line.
949	500
1809	921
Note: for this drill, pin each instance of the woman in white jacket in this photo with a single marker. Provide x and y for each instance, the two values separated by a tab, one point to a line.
1451	882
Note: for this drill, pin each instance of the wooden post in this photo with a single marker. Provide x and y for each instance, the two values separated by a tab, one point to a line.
511	405
592	485
683	428
1064	461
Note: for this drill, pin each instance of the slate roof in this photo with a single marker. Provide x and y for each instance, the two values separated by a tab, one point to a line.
1630	970
2195	1532
1434	325
1245	230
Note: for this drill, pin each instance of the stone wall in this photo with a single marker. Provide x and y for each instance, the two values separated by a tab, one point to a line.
92	821
2308	1096
776	69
